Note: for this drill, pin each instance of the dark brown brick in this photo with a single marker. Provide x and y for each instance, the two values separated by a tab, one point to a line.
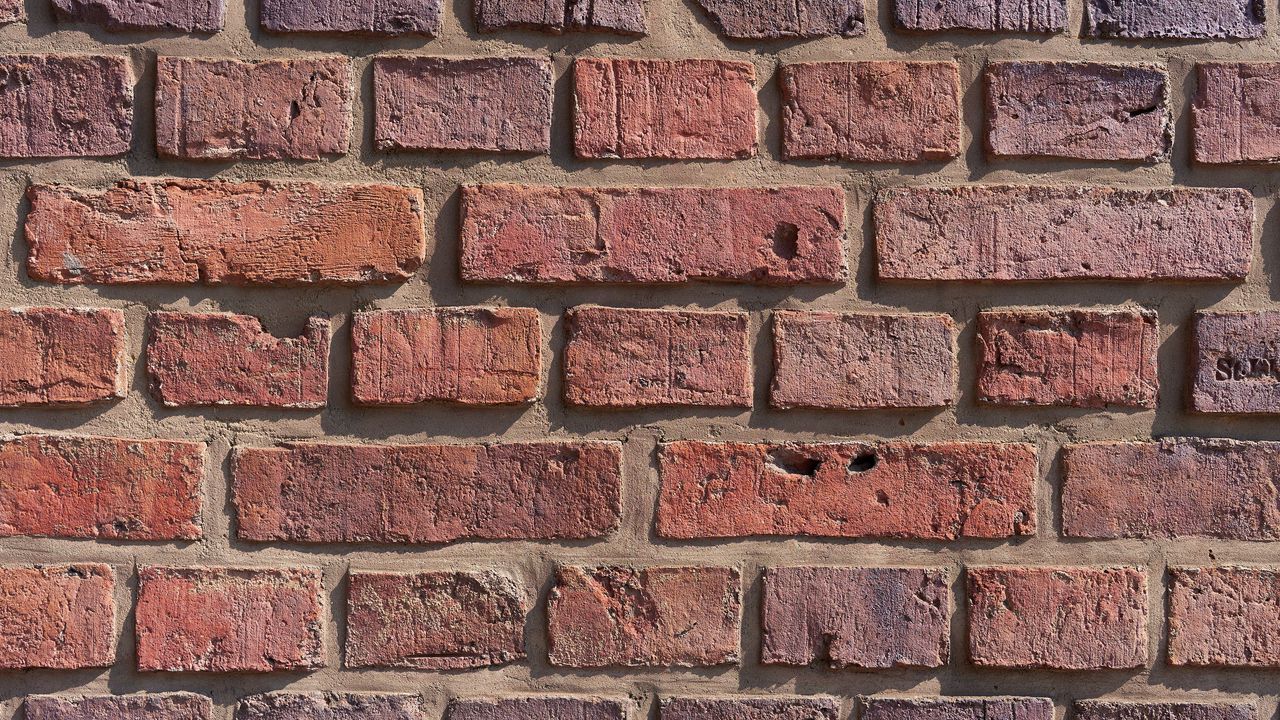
193	16
772	19
150	706
997	16
879	707
65	106
537	708
358	17
1110	710
1175	19
331	706
773	707
618	16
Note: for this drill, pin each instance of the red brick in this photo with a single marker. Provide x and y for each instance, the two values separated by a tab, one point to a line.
1060	618
996	16
360	17
229	620
100	487
1109	710
1236	365
1077	358
434	620
751	708
618	16
470	356
149	706
656	616
500	104
225	359
276	109
60	617
635	358
205	16
1083	111
537	708
12	11
1023	233
887	112
427	493
515	233
331	706
56	356
1175	19
772	19
957	708
679	109
65	106
856	617
1235	116
862	360
1171	488
1224	617
253	233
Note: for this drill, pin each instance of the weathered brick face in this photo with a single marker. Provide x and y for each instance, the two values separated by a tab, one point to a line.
65	106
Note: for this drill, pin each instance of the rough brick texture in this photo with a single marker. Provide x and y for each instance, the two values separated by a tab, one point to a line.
280	109
1108	710
882	112
631	358
890	490
153	706
1224	617
65	106
192	16
1078	358
1175	19
1083	111
997	16
434	620
224	359
772	19
680	109
427	493
12	11
789	235
57	616
1235	114
229	620
618	16
957	708
1236	362
253	233
362	17
98	487
57	356
1020	233
331	706
655	616
538	708
1060	618
745	708
469	356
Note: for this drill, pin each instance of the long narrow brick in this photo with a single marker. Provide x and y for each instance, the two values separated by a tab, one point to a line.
655	616
1078	110
1026	233
331	706
675	109
253	233
879	707
855	617
774	707
275	109
99	487
1077	358
60	617
996	16
1059	618
1118	710
427	493
1175	19
618	16
779	236
862	360
358	17
229	620
65	106
56	356
635	358
1171	488
1236	362
148	706
773	19
223	359
537	708
192	16
1224	617
1234	115
877	111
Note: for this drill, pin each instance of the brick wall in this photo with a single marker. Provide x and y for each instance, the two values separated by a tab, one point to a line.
612	360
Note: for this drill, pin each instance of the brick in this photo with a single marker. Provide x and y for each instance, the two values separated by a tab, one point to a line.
213	232
331	706
469	356
434	620
149	706
636	358
57	356
750	708
1030	233
100	487
1234	114
201	16
1081	111
315	493
883	112
12	11
1076	358
1175	19
1109	710
223	359
777	236
1236	368
65	106
1174	487
1058	618
1224	617
998	16
862	360
655	616
60	617
537	708
773	19
229	620
957	708
498	104
276	109
359	17
618	16
674	109
855	617
938	491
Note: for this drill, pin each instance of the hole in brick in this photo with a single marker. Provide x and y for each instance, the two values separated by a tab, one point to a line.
786	241
294	110
882	497
862	462
793	463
